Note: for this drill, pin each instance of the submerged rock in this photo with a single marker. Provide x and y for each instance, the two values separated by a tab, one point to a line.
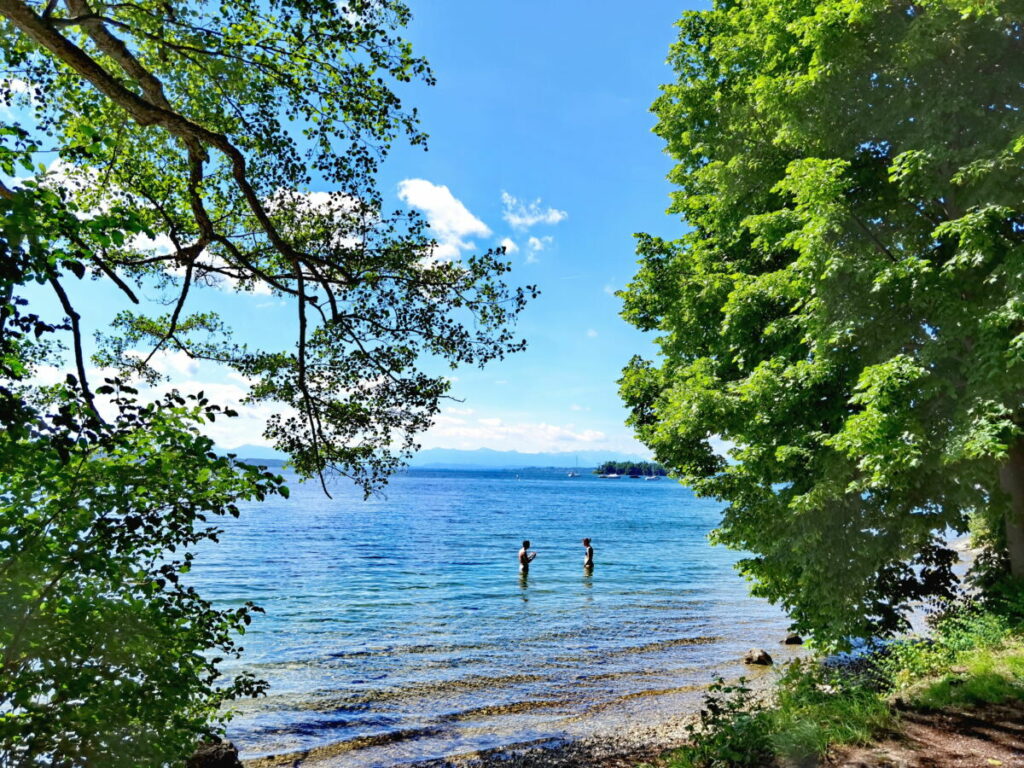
215	754
793	639
757	656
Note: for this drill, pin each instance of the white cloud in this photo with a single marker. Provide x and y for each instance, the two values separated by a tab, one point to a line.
523	215
576	407
15	85
169	362
450	220
610	289
591	333
161	245
535	245
19	93
497	434
509	245
245	429
206	260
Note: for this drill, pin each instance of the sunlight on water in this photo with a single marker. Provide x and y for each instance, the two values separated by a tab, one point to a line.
400	628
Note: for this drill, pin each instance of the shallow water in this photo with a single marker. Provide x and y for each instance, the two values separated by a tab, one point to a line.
399	628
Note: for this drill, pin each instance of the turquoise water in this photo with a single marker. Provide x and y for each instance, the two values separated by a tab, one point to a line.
399	628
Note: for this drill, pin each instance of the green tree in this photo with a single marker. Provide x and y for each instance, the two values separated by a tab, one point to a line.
847	310
188	138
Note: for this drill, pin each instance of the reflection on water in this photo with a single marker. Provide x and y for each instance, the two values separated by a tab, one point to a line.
394	633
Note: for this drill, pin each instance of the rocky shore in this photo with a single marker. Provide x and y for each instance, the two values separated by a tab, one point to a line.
627	747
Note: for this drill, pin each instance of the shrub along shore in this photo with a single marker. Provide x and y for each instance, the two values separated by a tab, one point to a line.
973	657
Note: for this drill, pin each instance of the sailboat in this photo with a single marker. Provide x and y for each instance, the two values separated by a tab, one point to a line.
574	472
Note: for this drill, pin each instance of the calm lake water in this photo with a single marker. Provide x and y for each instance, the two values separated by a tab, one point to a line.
399	628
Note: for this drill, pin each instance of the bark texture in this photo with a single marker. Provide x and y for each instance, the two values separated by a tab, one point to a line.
1011	478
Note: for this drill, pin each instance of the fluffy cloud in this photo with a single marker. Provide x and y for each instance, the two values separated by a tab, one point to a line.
591	333
535	245
15	85
523	215
170	363
245	429
509	245
495	433
449	220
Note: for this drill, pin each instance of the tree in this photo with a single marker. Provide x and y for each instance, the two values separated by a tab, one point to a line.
846	311
630	468
206	125
184	142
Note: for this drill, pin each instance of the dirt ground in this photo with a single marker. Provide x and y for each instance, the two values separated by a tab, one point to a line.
990	736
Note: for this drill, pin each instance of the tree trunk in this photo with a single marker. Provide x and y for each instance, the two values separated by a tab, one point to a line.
1011	478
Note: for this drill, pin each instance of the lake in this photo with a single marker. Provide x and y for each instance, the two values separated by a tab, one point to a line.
400	629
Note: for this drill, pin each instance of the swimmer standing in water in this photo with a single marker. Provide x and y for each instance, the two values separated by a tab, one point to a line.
588	556
526	557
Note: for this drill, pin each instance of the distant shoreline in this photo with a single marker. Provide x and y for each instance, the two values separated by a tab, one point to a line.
583	470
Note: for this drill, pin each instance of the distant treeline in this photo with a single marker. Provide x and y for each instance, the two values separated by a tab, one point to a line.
630	468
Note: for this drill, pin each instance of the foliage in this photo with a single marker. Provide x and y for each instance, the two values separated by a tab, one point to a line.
983	676
109	658
646	468
812	710
731	729
229	144
972	656
237	144
817	708
846	313
959	627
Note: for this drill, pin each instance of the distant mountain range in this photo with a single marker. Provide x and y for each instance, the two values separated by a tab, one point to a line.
253	452
485	458
482	458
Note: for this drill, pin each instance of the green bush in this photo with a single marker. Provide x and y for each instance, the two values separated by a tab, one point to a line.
731	730
975	655
814	709
963	626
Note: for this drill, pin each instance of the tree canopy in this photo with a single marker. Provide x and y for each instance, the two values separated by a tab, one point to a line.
846	312
159	148
191	137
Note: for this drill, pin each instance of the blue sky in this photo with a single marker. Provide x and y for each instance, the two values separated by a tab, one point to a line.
540	135
549	102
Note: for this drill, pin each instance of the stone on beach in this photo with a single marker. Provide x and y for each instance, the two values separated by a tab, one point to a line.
215	754
793	639
757	656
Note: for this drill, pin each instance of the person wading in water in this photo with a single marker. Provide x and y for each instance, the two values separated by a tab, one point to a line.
526	557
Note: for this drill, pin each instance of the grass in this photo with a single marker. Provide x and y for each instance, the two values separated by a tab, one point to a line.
981	676
806	722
